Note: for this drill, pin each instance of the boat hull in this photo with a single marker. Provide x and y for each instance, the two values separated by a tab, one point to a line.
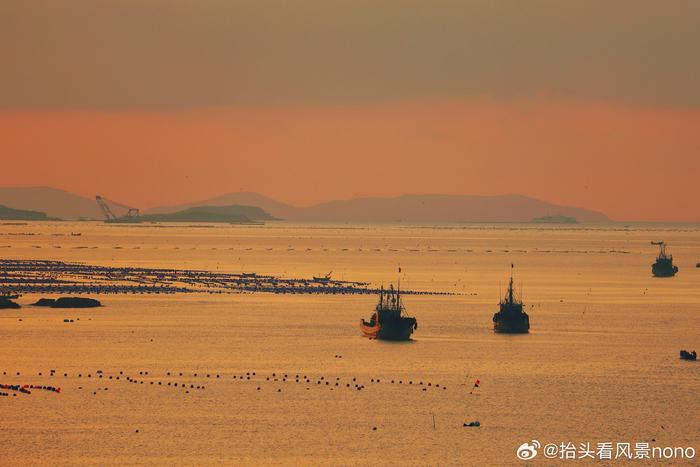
397	331
369	330
394	330
511	325
663	270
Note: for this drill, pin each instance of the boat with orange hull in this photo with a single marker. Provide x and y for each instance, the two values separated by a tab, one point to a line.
387	321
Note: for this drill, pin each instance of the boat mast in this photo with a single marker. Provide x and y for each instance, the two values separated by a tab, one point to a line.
510	286
662	248
398	291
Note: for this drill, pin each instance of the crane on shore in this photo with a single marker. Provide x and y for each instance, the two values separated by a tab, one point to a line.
132	215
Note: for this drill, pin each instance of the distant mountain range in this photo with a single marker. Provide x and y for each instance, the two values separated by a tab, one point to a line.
406	208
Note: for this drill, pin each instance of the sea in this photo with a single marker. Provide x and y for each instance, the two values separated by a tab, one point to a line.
288	379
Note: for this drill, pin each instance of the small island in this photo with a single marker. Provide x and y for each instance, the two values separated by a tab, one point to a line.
10	214
554	220
68	302
234	214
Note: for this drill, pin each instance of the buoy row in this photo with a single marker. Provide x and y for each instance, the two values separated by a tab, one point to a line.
25	388
146	377
247	376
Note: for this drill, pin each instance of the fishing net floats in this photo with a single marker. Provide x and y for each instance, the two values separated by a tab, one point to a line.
58	277
27	388
332	382
274	379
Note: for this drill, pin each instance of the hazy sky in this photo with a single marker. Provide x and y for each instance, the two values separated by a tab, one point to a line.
591	103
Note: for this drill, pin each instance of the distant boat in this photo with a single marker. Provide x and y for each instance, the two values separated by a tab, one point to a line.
663	267
387	322
685	355
326	278
510	318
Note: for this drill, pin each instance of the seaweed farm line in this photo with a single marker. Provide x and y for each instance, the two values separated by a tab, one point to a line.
58	277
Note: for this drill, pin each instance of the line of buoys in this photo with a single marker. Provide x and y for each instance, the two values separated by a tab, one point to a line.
25	388
331	382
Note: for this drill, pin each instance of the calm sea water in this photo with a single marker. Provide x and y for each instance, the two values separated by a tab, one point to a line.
600	365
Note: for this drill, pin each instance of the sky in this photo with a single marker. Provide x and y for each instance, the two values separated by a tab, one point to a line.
588	103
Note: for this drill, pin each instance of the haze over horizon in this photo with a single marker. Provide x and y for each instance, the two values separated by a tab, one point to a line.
584	103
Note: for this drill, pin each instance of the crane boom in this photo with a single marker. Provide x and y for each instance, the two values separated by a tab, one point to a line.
132	214
109	215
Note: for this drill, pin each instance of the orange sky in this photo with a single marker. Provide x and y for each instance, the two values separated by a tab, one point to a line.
631	162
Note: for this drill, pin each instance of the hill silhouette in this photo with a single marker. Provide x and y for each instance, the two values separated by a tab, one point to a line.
52	201
408	208
232	213
21	215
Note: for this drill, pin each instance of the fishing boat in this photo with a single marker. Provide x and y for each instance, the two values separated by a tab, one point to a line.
685	355
387	322
663	267
323	279
510	318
